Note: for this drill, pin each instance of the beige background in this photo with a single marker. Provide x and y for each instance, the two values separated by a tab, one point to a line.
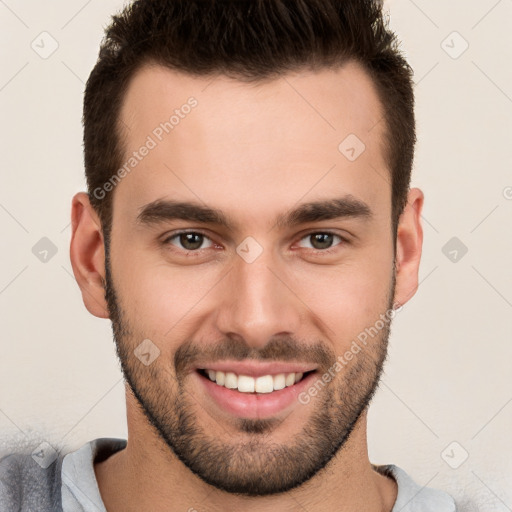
448	378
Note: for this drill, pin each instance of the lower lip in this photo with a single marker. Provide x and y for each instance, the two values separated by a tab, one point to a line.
255	405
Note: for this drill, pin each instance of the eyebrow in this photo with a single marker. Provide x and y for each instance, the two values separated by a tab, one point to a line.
163	210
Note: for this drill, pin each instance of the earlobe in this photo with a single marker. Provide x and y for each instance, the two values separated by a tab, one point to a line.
87	254
408	247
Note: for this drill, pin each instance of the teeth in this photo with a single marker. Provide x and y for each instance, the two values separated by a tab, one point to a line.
264	384
231	380
279	381
290	379
246	384
220	378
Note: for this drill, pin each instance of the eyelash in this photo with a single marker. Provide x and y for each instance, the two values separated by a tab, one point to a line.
167	241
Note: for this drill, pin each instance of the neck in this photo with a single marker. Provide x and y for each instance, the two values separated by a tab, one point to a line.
347	484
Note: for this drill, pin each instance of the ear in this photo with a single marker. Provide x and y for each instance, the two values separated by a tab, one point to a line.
408	247
87	253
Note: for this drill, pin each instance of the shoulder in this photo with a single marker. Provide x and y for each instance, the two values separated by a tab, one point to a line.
25	485
413	497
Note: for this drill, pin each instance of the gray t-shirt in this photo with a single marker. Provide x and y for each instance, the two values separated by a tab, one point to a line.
69	483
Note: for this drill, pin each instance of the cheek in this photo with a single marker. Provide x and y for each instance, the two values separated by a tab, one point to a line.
159	299
349	298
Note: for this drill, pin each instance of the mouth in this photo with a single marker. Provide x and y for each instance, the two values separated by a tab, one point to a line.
254	396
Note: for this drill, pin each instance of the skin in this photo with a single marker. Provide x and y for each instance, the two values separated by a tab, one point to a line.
252	151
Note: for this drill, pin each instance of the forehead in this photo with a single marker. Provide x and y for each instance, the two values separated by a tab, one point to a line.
224	141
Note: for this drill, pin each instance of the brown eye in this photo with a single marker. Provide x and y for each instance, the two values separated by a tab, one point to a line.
322	241
189	240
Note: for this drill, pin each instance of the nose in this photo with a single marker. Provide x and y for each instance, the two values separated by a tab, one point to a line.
258	301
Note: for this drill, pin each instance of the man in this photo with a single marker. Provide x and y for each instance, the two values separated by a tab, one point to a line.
250	231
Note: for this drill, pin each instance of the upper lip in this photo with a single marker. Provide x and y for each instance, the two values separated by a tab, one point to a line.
257	369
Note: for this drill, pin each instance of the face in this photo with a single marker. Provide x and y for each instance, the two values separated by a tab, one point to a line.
280	259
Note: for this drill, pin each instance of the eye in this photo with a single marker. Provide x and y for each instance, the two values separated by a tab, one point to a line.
188	240
322	241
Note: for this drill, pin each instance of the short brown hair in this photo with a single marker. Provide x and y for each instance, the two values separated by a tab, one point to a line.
249	40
